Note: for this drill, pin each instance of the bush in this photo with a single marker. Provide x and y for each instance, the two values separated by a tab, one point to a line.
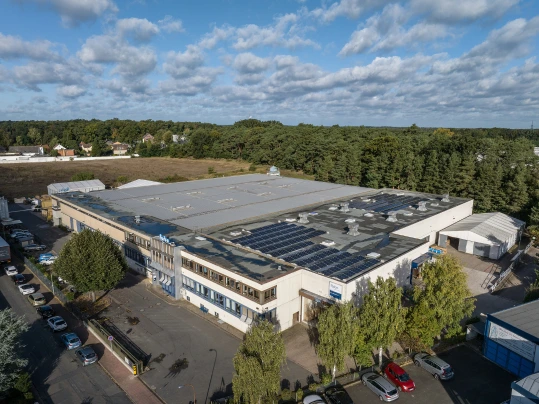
70	296
299	394
286	394
83	176
122	179
211	170
252	167
326	379
173	178
313	387
24	385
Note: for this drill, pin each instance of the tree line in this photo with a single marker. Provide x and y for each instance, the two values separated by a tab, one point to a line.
496	167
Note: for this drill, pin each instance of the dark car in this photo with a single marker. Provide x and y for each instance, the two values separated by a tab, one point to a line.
46	311
19	279
338	395
399	377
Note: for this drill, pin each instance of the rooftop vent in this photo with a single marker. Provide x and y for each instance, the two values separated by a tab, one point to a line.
226	200
373	255
236	233
197	192
344	207
333	207
368	214
391	216
265	194
400	193
200	238
328	243
150	199
353	229
445	198
434	204
407	213
137	219
290	219
303	218
183	207
422	206
351	220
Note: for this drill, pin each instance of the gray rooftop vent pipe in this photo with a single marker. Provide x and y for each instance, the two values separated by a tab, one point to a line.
353	229
303	218
422	206
344	207
445	198
137	219
391	216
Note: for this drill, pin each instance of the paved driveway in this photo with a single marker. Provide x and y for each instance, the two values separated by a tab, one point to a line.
170	334
477	381
56	373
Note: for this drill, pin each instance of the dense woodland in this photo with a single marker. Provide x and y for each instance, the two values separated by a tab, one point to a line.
496	167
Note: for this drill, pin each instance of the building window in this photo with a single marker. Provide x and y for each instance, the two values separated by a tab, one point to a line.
270	294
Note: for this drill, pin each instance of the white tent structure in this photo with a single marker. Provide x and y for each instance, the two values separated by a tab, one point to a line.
488	235
138	183
525	391
81	186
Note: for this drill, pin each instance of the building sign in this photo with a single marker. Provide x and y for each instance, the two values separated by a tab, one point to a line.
335	290
512	341
165	240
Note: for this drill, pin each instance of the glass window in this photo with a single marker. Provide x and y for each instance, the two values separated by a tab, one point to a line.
238	309
205	291
227	303
212	296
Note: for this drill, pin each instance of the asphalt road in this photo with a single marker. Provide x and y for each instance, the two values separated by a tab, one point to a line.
56	373
476	381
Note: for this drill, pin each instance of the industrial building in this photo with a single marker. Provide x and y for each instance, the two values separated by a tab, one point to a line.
75	186
265	246
512	338
488	235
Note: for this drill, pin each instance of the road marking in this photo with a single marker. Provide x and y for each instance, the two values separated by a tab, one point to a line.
43	226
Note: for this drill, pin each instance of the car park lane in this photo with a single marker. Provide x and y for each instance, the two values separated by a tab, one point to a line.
56	372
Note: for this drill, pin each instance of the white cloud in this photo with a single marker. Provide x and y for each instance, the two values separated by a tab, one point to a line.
249	63
169	24
462	10
210	40
347	8
33	74
182	64
74	12
199	81
139	28
71	91
13	47
130	61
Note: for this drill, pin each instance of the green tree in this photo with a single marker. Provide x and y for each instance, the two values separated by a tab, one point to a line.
82	176
534	215
54	153
34	135
381	315
362	352
337	325
11	364
441	302
91	262
258	364
97	149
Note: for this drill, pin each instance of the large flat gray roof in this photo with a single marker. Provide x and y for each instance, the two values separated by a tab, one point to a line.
524	317
215	202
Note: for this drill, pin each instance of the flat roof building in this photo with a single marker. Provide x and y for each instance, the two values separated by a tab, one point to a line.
256	245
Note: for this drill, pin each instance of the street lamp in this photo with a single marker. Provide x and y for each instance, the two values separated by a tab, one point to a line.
194	393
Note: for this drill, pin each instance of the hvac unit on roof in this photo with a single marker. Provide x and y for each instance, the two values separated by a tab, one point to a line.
400	193
303	218
333	207
434	204
350	220
445	198
391	216
235	233
290	219
373	255
422	206
353	229
344	207
137	219
407	213
328	243
368	214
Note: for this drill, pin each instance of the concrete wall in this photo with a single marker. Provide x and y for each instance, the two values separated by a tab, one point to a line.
432	225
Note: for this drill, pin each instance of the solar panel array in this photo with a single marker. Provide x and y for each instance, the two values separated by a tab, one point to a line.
385	203
290	242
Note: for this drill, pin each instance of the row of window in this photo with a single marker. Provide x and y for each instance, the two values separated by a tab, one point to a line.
230	283
244	313
135	255
133	238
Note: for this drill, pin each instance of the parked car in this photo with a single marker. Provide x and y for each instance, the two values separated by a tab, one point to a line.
70	340
36	209
35	247
313	399
45	311
434	365
338	395
86	355
380	386
23	235
19	279
27	289
18	231
49	260
399	377
45	256
57	323
11	270
37	299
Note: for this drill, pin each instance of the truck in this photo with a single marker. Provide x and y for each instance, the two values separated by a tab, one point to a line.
5	251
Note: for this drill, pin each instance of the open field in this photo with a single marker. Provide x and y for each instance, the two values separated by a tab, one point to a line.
18	180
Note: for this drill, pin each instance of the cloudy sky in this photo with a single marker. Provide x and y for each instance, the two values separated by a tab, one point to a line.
458	63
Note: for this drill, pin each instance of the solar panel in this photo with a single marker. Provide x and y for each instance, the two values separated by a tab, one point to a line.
290	249
303	253
329	270
318	256
356	270
330	260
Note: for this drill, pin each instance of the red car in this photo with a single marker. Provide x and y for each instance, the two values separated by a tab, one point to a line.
399	377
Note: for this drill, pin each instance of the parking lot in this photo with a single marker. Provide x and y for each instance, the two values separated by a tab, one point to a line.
476	381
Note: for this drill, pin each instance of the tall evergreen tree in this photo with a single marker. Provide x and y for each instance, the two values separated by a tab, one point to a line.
11	362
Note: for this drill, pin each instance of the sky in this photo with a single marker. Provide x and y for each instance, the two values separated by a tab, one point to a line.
435	63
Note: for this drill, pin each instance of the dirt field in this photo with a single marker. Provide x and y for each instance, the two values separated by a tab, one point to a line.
31	179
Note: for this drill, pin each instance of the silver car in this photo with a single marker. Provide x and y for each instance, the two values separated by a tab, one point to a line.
86	355
380	386
434	365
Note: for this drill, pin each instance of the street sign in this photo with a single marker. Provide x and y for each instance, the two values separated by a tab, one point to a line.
110	338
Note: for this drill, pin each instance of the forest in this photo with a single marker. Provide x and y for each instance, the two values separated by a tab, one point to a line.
496	167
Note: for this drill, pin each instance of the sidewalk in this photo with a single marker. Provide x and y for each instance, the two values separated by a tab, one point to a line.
132	385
